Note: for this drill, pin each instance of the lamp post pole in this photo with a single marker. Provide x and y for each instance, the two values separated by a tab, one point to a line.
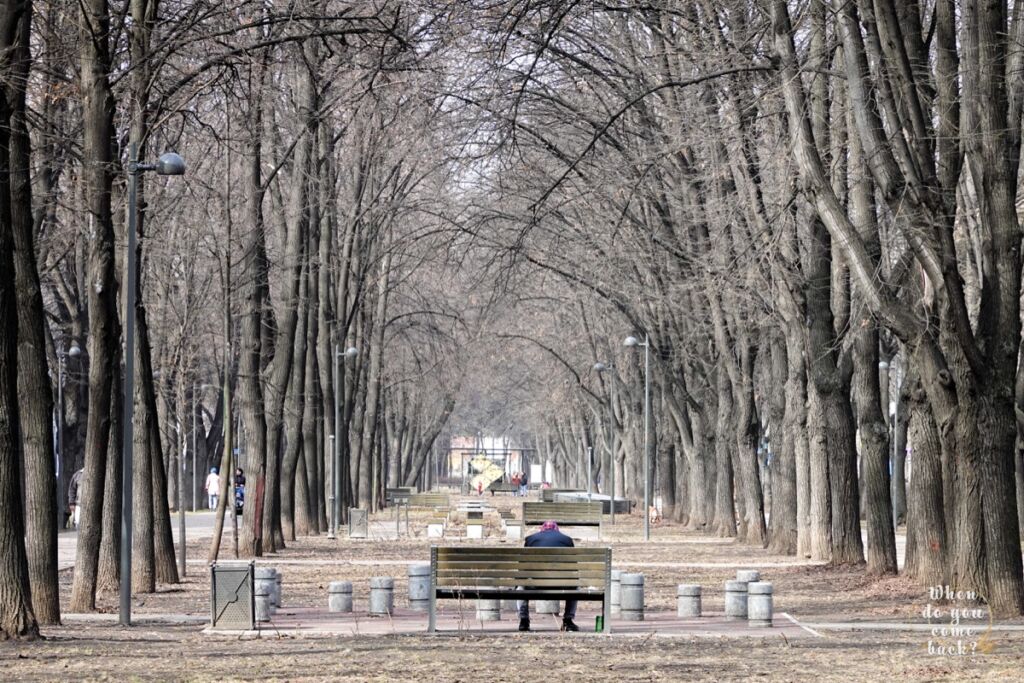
125	612
168	164
195	450
335	484
340	436
601	367
181	503
646	344
60	437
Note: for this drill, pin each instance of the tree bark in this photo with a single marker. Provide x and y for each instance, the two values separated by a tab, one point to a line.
36	408
104	327
16	617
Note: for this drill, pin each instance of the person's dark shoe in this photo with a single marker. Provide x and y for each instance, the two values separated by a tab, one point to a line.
568	625
524	624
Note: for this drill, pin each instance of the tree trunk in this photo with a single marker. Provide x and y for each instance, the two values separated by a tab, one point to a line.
110	541
783	527
104	327
16	617
926	554
35	393
724	523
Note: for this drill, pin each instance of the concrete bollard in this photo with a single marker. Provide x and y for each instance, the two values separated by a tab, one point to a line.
510	605
735	600
262	605
382	595
488	610
545	606
339	596
688	600
759	604
616	591
265	584
513	531
277	588
474	531
632	596
419	587
435	530
748	575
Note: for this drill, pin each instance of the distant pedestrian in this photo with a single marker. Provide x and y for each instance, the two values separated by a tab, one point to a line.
213	488
75	496
524	484
515	484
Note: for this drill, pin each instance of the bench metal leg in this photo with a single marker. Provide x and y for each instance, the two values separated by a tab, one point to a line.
606	604
432	608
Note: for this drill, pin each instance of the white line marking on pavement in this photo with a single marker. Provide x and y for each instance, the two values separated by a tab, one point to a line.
806	628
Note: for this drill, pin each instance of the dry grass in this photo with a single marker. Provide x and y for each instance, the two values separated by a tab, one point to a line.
812	593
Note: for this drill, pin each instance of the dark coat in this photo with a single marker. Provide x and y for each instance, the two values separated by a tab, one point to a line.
549	539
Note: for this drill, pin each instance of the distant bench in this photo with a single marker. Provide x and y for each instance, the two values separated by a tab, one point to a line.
397	495
480	573
438	502
567	514
503	487
548	495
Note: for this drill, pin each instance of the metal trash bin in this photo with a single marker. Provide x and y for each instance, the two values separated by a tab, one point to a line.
232	596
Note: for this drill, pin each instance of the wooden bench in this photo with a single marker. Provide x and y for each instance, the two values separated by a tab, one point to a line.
397	495
548	495
503	487
428	500
567	514
481	573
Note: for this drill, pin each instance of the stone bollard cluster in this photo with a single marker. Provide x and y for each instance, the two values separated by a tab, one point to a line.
632	597
616	591
488	610
339	596
735	600
688	600
419	587
759	604
382	595
748	575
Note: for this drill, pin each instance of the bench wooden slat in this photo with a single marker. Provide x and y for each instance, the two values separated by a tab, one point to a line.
518	566
428	500
595	578
525	583
569	514
520	573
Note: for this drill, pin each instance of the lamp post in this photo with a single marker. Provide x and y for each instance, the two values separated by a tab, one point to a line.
74	351
169	163
336	438
646	344
602	367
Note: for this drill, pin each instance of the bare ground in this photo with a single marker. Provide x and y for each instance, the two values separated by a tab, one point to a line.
95	650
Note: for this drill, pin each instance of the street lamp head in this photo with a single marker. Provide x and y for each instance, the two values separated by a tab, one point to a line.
351	352
75	350
600	367
170	163
631	341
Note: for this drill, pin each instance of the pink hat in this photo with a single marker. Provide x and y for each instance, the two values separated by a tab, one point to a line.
549	525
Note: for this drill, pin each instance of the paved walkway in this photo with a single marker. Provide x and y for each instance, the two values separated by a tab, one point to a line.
197	525
451	621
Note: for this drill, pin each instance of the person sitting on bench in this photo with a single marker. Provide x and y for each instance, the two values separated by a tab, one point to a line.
548	537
